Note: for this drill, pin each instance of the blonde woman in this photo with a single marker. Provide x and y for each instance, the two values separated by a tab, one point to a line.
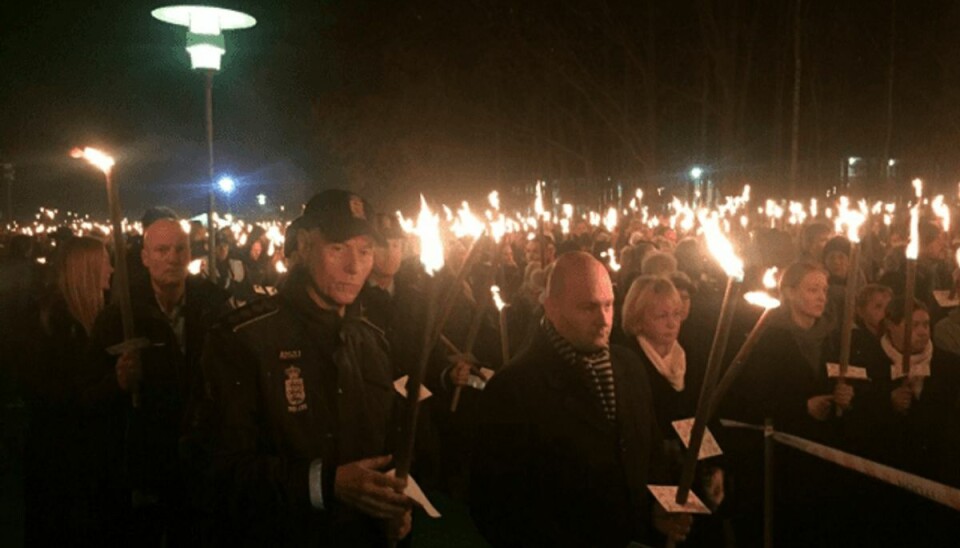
653	311
652	314
58	448
785	379
786	375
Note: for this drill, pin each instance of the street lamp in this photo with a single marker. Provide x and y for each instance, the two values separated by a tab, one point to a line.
227	185
206	46
696	172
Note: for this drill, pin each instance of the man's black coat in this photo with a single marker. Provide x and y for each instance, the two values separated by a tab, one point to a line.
550	469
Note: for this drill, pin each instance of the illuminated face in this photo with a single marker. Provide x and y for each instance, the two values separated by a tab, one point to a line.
532	251
661	322
256	248
506	254
809	299
337	269
838	263
386	259
920	335
166	253
583	313
818	243
873	311
550	253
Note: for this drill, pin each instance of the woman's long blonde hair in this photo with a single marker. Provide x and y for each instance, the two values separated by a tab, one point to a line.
79	275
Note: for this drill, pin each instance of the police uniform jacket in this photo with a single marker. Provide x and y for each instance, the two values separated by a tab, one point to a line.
291	383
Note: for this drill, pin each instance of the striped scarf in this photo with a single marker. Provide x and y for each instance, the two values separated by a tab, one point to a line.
596	365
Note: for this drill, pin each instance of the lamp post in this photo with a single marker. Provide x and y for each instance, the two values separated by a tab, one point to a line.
206	45
696	172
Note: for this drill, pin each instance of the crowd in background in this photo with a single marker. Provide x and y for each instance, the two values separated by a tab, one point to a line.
95	470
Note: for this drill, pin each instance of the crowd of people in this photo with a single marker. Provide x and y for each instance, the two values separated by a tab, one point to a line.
265	406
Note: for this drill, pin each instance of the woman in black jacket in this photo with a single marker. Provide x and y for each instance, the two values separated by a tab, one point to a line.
909	411
908	422
652	314
62	495
785	379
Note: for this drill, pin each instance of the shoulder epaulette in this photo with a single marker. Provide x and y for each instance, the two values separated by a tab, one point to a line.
250	313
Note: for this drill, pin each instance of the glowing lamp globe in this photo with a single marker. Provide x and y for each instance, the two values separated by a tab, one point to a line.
205	42
227	185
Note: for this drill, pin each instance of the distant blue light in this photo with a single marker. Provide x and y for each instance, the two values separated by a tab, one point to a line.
227	185
696	172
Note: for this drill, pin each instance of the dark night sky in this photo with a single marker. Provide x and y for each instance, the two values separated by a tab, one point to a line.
459	97
112	76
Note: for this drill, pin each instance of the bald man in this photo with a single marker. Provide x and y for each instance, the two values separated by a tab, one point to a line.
174	311
569	441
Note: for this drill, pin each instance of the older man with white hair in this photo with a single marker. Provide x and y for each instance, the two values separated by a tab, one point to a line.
157	441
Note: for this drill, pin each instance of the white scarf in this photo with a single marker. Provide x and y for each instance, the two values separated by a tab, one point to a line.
672	367
919	364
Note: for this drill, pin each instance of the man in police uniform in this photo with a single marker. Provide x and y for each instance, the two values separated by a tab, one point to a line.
303	398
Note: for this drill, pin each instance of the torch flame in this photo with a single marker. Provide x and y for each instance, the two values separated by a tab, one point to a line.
943	211
761	298
612	257
195	266
913	248
610	220
721	248
770	278
97	158
466	223
498	227
495	291
853	219
431	246
494	199
538	202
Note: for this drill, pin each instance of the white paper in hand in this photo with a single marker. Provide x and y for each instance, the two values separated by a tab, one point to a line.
400	385
708	447
666	495
414	492
853	372
479	381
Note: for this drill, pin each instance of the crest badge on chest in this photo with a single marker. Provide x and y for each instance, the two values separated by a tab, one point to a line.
295	389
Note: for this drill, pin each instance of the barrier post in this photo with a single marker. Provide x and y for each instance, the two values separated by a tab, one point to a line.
768	448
